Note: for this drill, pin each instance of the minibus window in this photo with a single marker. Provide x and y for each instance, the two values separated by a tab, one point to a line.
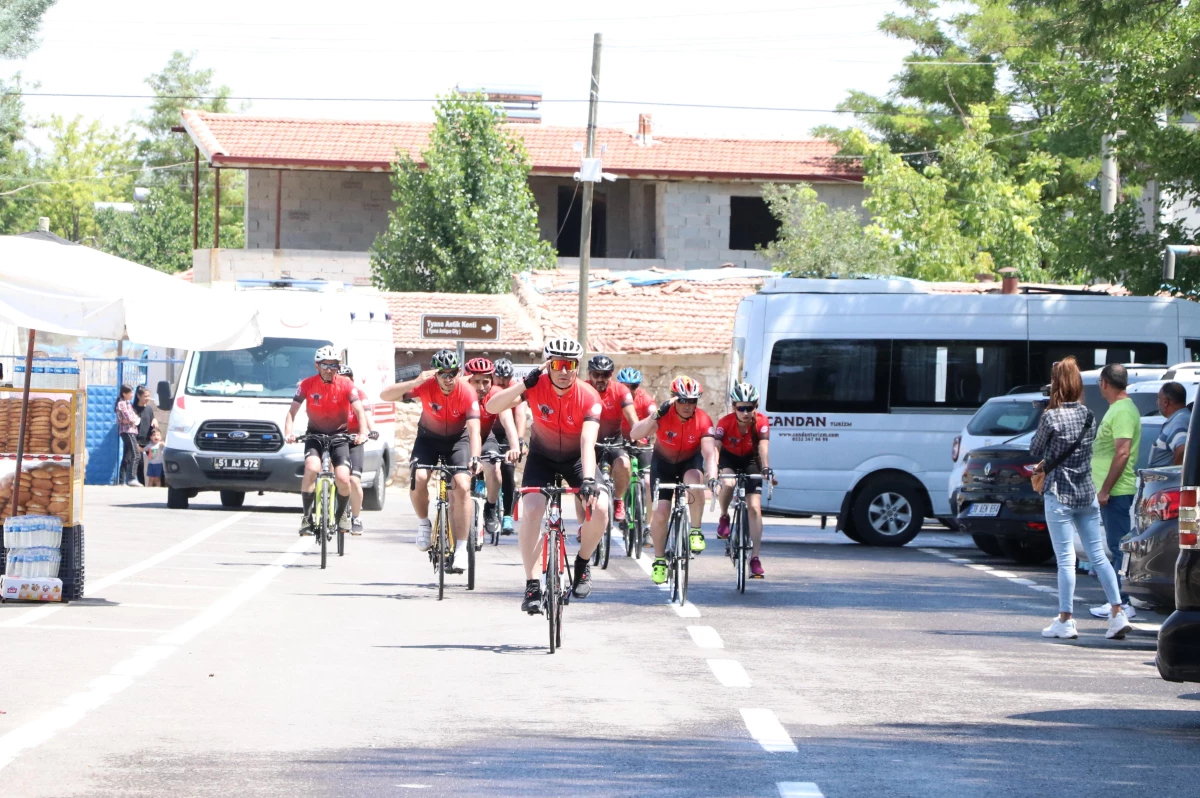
954	374
828	376
1090	355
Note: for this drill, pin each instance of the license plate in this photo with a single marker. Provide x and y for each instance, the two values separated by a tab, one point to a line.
236	463
983	510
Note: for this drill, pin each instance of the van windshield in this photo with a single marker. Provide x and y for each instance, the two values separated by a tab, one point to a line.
272	369
1005	418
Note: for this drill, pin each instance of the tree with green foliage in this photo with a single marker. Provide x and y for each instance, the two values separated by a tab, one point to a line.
465	220
158	232
16	207
85	163
815	241
19	23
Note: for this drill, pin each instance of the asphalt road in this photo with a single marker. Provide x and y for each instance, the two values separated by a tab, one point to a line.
212	657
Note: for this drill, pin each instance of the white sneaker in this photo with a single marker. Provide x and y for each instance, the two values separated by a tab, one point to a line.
424	534
1118	627
1063	629
1105	611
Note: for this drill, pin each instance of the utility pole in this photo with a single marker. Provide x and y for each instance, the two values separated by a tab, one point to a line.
1109	178
585	230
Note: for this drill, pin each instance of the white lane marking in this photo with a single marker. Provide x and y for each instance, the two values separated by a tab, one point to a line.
729	672
74	628
175	586
705	637
1043	588
962	560
799	789
766	729
73	709
38	613
688	610
1018	580
1003	574
1146	627
979	566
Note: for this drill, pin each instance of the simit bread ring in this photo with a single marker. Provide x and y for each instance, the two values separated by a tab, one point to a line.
60	416
60	446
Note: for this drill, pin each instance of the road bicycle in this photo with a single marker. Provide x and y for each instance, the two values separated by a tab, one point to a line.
324	524
479	500
636	525
678	549
556	578
739	545
443	546
605	483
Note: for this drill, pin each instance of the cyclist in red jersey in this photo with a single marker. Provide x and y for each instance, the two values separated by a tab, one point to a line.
448	430
356	453
616	413
643	406
683	445
329	400
566	420
745	435
502	378
480	372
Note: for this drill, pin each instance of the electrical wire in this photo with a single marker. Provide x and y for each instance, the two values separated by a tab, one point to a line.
112	176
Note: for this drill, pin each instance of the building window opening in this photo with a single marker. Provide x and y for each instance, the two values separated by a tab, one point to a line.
751	223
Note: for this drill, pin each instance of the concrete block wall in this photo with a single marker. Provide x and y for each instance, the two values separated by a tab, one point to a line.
342	211
227	265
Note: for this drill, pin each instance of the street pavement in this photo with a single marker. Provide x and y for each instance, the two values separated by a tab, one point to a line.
212	657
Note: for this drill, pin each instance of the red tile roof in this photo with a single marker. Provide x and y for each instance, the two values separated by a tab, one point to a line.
517	329
235	140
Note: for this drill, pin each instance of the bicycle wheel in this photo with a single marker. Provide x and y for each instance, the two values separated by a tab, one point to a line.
550	596
741	542
639	516
673	554
471	540
341	539
323	526
685	557
440	550
605	546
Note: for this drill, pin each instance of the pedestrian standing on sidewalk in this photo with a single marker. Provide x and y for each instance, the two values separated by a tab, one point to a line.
127	428
1169	445
143	405
1063	442
1113	458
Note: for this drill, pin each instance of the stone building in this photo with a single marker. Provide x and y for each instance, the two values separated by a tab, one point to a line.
318	193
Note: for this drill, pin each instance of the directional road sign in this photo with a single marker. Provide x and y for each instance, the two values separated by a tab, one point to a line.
460	328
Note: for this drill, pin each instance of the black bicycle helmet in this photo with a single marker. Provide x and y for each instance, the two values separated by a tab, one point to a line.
346	371
445	360
504	368
601	363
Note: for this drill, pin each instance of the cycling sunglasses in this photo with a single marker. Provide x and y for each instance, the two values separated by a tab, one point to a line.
601	375
450	373
564	365
688	401
329	366
744	408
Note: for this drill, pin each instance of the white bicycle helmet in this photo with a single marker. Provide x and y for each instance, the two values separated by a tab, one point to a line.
567	348
744	392
327	353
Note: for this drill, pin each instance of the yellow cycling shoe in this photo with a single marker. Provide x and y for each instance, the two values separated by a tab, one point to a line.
658	571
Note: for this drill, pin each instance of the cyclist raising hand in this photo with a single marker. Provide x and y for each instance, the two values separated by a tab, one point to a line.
683	444
744	435
329	400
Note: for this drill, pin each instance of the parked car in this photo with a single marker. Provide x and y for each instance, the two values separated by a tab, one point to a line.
1178	657
998	506
1149	555
1145	394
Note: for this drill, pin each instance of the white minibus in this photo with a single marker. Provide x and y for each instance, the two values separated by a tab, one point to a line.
867	382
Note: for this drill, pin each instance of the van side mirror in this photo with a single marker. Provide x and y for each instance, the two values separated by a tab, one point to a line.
164	394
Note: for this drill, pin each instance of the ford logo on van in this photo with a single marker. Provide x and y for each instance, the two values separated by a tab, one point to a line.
239	434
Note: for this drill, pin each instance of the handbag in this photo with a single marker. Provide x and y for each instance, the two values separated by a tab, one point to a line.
1038	480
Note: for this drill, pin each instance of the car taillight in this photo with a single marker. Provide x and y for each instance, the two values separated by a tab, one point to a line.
1187	518
954	448
1163	505
1025	470
179	402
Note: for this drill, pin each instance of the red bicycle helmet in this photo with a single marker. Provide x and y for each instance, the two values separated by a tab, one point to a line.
686	388
480	365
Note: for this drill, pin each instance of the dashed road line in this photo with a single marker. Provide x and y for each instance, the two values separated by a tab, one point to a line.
766	729
729	672
706	637
799	789
688	610
84	628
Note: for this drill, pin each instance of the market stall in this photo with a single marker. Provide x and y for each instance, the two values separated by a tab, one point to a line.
74	290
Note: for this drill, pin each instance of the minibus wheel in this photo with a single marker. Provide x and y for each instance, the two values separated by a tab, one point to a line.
888	512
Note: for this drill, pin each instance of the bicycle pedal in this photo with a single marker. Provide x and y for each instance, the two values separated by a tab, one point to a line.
758	576
453	570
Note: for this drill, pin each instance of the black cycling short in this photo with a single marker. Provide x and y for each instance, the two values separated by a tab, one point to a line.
606	455
541	471
672	473
356	459
339	455
454	452
742	465
494	445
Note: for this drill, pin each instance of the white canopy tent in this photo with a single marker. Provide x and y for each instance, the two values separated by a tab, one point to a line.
76	290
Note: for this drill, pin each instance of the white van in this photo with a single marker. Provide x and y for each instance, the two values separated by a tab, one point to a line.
226	429
867	382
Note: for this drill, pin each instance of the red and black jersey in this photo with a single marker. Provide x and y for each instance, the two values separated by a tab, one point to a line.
352	422
327	404
678	440
445	415
739	443
486	420
613	401
643	403
558	420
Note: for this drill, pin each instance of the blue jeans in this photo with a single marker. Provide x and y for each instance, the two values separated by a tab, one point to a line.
1117	524
1063	522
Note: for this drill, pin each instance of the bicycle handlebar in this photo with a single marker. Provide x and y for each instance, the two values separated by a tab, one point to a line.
443	468
335	437
771	483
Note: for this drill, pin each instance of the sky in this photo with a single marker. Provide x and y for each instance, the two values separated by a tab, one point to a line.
805	54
